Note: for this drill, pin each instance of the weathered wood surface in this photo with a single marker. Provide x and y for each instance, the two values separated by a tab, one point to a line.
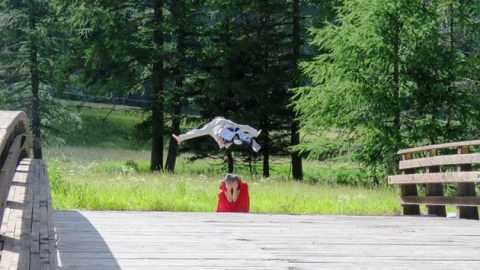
27	229
11	123
441	200
434	189
440	161
438	146
165	240
9	168
444	177
409	190
13	136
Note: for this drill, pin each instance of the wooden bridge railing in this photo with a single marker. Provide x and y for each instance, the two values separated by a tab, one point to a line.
27	238
13	142
434	166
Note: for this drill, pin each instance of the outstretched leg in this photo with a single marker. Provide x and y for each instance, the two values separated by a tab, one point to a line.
194	133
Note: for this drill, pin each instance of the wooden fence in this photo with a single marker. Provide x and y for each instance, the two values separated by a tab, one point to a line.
432	168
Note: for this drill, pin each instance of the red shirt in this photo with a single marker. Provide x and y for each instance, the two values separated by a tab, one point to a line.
242	204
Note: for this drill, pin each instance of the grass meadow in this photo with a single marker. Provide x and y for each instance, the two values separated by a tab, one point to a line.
101	167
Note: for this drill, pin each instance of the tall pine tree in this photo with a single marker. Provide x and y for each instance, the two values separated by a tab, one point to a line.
31	43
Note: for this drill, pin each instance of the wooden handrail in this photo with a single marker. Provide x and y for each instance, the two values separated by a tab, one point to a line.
8	169
438	146
440	161
445	177
13	143
12	124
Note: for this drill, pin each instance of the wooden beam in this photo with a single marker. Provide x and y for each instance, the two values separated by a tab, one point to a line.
466	189
441	200
440	161
8	170
434	189
438	146
409	190
444	177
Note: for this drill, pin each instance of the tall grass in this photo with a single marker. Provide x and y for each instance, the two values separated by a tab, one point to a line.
104	186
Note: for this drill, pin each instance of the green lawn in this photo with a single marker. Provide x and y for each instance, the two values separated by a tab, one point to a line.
100	128
130	190
115	179
101	167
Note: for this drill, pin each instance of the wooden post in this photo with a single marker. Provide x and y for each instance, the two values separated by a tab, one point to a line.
466	189
409	190
435	189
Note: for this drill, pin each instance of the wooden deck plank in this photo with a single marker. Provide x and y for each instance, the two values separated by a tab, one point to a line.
165	240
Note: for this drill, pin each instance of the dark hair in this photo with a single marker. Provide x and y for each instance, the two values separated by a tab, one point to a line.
231	177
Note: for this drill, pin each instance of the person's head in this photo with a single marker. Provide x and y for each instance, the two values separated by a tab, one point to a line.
231	182
230	178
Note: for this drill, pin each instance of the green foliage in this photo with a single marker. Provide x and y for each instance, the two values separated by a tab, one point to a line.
147	47
31	41
388	76
111	45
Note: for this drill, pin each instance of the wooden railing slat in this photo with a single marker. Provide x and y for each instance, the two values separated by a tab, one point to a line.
440	200
440	161
444	177
439	146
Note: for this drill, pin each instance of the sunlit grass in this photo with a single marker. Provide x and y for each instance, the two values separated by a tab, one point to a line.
105	181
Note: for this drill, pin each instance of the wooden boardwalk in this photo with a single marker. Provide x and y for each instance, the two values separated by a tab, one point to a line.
165	240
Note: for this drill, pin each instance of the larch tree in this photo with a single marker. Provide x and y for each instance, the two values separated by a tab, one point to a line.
382	76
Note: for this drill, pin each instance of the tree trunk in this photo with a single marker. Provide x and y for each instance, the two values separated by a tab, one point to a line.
451	32
266	149
230	160
180	15
396	84
156	161
173	145
36	123
297	171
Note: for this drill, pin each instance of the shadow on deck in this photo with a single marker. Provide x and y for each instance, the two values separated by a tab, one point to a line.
81	245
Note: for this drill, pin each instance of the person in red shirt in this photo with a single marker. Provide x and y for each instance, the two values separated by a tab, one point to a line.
233	195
